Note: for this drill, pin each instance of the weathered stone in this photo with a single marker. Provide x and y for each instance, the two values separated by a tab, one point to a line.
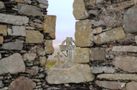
102	69
130	20
126	63
22	83
118	77
50	25
17	31
49	49
81	55
29	10
30	56
1	39
136	39
111	84
97	30
3	30
132	49
79	10
16	45
83	36
34	36
108	36
12	19
1	84
75	74
45	2
97	54
43	61
131	86
7	65
2	5
23	1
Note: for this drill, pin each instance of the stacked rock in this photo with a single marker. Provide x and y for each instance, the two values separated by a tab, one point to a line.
26	34
107	29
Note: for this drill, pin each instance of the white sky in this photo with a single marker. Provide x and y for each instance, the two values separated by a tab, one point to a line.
65	25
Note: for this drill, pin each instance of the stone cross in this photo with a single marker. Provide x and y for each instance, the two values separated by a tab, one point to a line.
67	47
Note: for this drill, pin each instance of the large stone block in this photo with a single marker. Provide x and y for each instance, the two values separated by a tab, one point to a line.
79	10
50	26
3	30
81	55
109	36
49	49
12	19
131	86
126	63
34	36
83	35
75	74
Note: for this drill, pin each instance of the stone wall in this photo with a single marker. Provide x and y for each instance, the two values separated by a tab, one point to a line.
26	34
106	29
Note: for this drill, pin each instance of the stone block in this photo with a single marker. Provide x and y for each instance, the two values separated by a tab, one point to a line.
3	30
49	49
131	86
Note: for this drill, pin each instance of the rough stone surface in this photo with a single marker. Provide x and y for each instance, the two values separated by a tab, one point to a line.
34	37
22	83
130	20
50	25
126	63
29	10
7	65
102	69
97	54
1	39
29	56
131	86
108	36
75	74
17	45
117	76
3	30
49	47
2	5
12	19
83	36
111	85
81	55
79	10
17	31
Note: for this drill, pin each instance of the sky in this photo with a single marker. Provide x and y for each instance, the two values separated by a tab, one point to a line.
65	25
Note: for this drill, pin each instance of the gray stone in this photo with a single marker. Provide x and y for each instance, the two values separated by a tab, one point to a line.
75	74
117	76
130	20
102	69
43	3
131	86
16	45
17	31
79	10
12	19
29	10
2	5
12	64
136	39
1	84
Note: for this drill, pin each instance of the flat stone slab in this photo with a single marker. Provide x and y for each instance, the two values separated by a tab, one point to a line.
131	86
132	49
12	19
12	64
116	76
75	74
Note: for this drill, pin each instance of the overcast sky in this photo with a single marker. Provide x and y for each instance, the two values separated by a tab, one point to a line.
65	26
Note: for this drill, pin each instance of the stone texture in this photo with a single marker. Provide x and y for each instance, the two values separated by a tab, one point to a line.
79	10
117	76
83	36
75	74
131	86
29	56
3	30
7	65
49	49
136	39
12	19
16	45
111	85
2	5
97	54
50	25
34	37
1	39
132	49
17	31
126	63
81	55
108	36
22	83
102	69
130	20
29	10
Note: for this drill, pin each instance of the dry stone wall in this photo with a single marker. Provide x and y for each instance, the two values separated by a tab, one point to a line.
107	29
26	34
